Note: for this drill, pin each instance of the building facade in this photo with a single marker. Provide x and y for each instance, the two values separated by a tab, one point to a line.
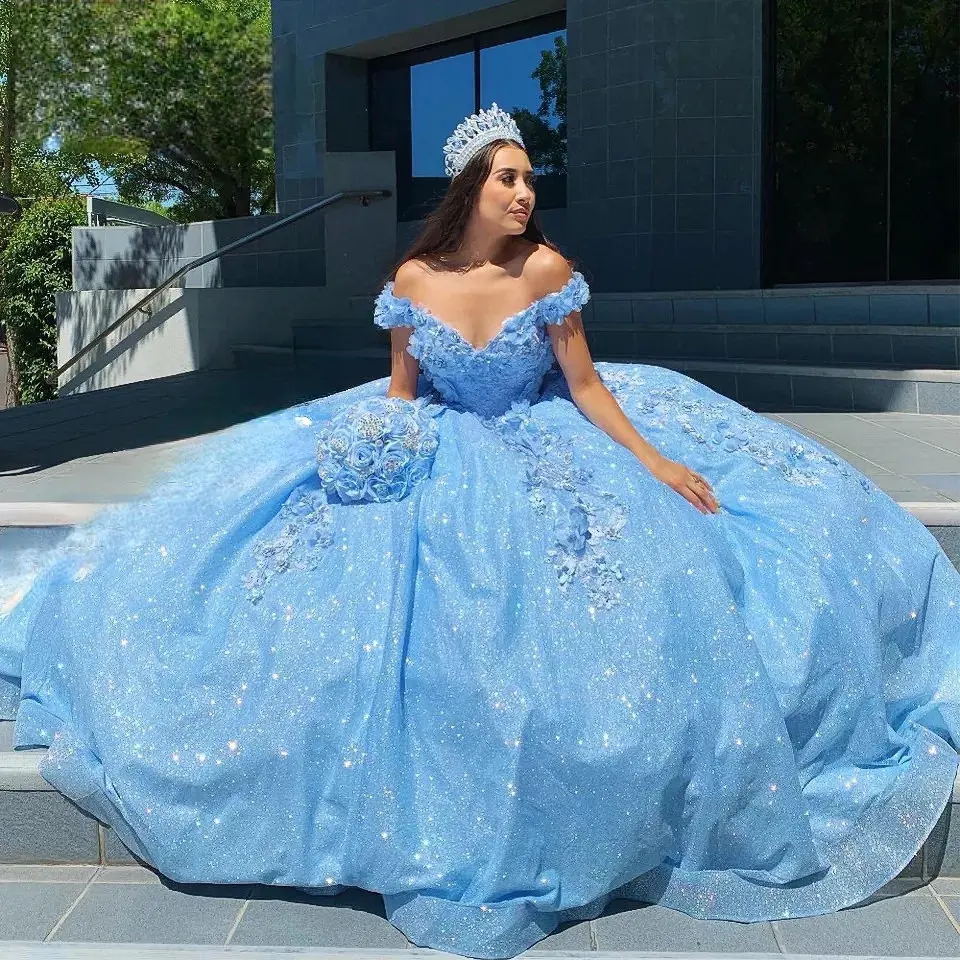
680	144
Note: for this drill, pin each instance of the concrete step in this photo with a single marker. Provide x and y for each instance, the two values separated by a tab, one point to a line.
337	369
339	334
761	386
773	386
152	412
842	345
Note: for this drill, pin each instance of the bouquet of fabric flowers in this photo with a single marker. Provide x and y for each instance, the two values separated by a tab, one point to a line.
378	449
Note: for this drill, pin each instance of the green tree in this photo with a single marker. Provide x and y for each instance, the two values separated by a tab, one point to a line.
34	265
547	142
183	100
38	42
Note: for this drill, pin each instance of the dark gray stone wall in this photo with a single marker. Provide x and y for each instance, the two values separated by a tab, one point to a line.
665	142
664	122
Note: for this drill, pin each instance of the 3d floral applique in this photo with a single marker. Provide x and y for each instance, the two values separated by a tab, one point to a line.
721	426
306	528
584	517
378	449
374	450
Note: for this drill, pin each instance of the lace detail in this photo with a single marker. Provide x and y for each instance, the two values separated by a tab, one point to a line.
307	519
726	426
484	379
584	517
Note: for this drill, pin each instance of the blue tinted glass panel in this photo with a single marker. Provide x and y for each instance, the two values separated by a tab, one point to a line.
507	77
441	95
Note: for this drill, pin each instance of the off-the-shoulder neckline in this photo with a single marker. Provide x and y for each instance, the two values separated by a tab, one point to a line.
504	324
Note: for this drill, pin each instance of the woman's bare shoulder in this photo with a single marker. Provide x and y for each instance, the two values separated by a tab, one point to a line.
409	278
546	270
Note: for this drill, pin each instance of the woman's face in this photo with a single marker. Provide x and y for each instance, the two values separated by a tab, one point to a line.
507	197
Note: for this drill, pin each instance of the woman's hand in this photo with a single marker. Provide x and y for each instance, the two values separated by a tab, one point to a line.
688	483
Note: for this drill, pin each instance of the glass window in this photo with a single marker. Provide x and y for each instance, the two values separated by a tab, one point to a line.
441	95
863	191
417	98
528	78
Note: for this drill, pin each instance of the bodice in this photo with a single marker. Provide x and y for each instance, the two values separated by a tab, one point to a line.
486	380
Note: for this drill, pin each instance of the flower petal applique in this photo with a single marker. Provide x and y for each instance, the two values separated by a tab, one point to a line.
374	450
584	517
392	311
557	306
727	427
306	520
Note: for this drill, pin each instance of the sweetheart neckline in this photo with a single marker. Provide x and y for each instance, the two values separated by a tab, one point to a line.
427	312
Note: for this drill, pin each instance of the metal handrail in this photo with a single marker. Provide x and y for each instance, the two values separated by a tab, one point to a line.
364	196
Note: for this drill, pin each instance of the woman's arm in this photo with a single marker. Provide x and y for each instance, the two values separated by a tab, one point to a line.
404	369
600	407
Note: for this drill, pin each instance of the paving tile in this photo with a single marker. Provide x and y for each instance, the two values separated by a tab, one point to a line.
946	886
953	905
849	308
901	309
788	310
152	913
45	873
944	857
626	925
278	918
944	309
910	455
114	850
938	397
873	395
124	874
897	927
824	391
29	911
908	883
947	484
946	437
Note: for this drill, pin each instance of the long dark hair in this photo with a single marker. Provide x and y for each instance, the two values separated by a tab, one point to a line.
444	228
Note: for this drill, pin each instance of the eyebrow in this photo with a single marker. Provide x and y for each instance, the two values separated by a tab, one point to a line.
510	170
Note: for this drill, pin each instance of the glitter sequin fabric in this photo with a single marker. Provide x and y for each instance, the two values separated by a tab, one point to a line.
538	680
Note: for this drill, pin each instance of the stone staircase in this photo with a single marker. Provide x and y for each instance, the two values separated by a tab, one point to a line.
765	366
781	367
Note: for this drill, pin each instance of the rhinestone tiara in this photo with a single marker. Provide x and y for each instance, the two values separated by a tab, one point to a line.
474	134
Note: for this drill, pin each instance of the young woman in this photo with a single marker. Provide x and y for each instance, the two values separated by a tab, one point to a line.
485	639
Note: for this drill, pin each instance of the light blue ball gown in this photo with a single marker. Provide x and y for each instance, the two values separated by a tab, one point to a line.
508	688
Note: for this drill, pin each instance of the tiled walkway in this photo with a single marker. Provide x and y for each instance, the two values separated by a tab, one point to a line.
132	905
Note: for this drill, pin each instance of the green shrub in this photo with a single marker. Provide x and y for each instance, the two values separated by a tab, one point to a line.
34	265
